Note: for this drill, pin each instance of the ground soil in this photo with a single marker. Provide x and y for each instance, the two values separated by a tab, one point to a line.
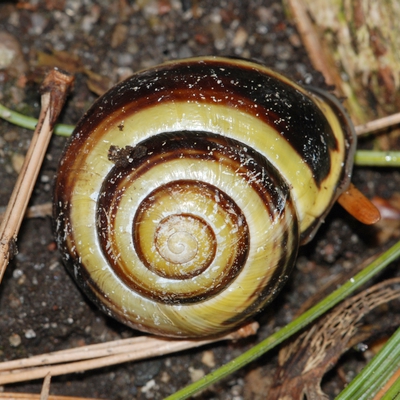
41	308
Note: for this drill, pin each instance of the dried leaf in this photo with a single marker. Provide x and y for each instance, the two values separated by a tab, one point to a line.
98	84
304	362
60	59
71	63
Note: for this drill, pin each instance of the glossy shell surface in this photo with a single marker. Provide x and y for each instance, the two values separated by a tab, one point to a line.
185	191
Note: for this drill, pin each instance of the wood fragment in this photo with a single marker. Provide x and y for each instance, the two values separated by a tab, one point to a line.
44	394
54	91
319	57
104	354
354	44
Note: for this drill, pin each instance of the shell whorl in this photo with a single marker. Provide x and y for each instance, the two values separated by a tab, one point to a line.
185	191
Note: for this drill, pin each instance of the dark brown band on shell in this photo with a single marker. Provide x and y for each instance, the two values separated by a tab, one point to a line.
253	91
290	148
261	175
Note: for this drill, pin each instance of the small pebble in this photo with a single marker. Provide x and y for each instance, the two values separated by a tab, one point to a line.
22	280
11	57
38	24
265	15
54	265
240	38
119	35
148	386
165	377
89	20
208	358
17	161
38	267
11	135
15	340
196	374
30	334
45	179
17	273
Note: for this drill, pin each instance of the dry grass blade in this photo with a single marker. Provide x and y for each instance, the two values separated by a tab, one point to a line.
54	90
101	355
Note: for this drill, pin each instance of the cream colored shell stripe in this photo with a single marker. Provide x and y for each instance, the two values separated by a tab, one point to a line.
197	95
192	87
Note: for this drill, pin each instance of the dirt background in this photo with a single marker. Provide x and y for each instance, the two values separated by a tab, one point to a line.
41	309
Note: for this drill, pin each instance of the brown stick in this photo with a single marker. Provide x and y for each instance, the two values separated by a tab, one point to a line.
54	91
104	354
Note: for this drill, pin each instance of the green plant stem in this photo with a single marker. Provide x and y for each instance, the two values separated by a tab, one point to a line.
267	344
377	158
379	370
394	392
362	157
30	123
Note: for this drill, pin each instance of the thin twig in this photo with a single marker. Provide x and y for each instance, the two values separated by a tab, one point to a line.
104	354
54	91
378	124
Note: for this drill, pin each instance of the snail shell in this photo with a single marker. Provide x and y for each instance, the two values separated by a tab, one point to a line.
185	191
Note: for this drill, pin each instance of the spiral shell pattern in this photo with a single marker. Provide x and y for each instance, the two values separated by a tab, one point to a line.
185	191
